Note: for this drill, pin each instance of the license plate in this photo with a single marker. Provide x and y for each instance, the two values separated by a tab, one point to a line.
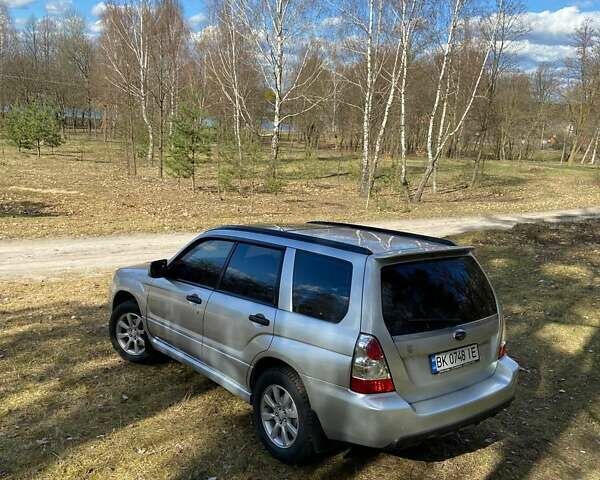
451	359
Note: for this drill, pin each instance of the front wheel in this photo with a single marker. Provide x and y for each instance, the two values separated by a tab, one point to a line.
285	423
128	336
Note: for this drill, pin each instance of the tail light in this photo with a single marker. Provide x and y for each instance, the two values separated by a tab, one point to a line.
502	349
370	373
502	345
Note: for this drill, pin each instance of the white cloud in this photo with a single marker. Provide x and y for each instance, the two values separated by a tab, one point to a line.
18	3
98	9
196	20
555	28
537	52
549	38
58	7
205	33
95	27
331	21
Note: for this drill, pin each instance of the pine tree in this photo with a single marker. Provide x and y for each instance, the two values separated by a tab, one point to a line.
17	129
33	126
190	141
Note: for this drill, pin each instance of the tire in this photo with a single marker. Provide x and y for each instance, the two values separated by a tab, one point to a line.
309	435
125	312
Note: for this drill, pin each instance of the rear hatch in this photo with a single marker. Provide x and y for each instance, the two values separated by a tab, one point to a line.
442	316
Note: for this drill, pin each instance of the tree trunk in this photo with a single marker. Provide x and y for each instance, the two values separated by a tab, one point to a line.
431	155
150	152
194	173
383	126
574	150
593	159
278	78
366	128
403	113
275	138
587	150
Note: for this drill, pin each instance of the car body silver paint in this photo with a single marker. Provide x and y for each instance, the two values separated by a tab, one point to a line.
171	317
227	348
383	419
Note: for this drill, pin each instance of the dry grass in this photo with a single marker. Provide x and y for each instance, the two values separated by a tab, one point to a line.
62	195
71	409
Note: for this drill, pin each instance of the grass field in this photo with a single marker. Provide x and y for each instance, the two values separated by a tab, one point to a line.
71	409
61	194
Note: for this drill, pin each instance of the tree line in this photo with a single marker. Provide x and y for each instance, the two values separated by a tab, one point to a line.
375	78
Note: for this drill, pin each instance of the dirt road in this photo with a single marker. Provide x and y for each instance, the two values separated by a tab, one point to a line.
35	259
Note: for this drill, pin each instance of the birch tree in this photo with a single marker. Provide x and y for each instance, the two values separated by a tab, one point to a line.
7	43
437	143
584	69
126	44
279	33
364	42
77	51
404	15
409	13
508	28
225	50
170	37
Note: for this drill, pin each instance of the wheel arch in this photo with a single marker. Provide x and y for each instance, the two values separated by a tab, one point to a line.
264	363
122	296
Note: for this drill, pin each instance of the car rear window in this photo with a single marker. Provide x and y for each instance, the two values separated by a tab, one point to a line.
433	294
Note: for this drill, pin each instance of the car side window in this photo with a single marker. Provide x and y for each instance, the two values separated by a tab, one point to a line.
321	286
253	272
202	264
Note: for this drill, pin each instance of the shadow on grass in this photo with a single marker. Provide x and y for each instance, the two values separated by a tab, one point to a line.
68	388
25	208
553	334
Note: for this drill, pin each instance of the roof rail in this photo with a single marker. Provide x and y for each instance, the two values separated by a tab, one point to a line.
418	236
298	236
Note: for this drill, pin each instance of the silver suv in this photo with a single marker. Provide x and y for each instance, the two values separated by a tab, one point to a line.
331	331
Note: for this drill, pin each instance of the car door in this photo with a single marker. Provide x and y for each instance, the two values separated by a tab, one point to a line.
239	317
176	303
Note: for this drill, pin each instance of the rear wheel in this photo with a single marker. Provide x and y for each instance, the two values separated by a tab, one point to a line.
284	421
128	336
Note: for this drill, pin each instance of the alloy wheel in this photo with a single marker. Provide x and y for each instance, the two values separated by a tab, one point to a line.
279	416
130	334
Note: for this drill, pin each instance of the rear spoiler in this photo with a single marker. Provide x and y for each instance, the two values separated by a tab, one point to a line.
455	251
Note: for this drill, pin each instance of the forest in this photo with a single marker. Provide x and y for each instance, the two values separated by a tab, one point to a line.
377	81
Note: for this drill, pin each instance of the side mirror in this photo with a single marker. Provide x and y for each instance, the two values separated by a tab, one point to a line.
157	269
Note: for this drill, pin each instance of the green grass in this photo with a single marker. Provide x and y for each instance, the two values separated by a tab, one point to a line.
72	409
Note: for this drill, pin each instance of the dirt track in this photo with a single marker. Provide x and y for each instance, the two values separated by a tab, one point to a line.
52	258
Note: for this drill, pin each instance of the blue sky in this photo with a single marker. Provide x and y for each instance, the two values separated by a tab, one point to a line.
551	22
23	9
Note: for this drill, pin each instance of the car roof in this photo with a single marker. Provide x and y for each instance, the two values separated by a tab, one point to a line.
357	238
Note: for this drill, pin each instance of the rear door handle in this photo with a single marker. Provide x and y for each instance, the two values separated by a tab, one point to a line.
193	298
259	318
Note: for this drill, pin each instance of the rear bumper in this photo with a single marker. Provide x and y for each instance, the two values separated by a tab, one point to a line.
386	419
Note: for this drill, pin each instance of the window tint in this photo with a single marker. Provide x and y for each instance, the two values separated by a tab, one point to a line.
321	286
203	263
433	294
253	272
